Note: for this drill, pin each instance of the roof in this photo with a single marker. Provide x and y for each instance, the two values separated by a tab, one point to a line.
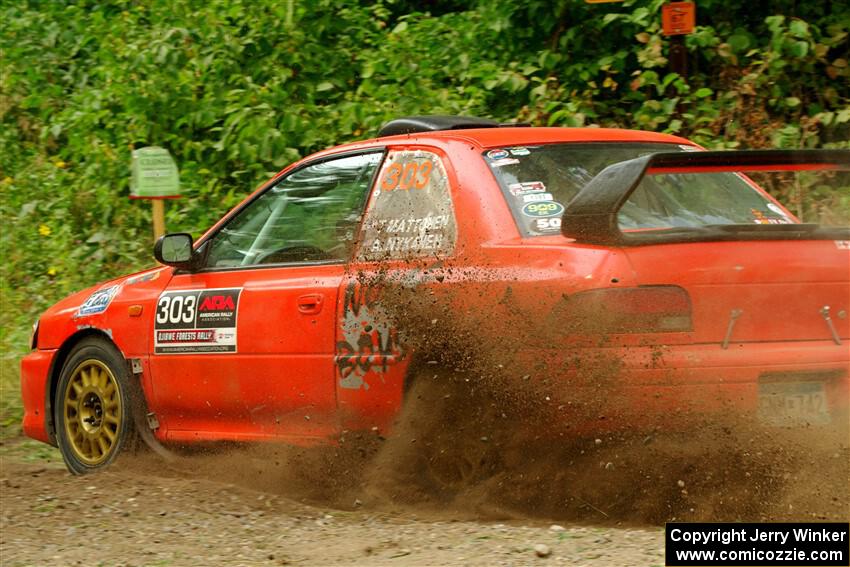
508	136
491	137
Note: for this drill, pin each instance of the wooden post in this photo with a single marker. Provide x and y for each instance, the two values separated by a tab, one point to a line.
158	218
678	18
678	56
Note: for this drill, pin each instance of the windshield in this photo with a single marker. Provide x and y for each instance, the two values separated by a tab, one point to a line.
538	183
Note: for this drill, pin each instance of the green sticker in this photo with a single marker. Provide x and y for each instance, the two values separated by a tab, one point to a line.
154	174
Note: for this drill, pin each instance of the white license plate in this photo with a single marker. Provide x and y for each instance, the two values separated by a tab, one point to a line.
793	403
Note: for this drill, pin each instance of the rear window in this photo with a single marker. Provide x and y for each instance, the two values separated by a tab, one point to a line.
538	183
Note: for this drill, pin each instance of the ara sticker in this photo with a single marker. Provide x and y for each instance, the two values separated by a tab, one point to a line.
544	209
517	189
196	321
505	161
687	148
535	197
97	302
497	154
520	152
842	244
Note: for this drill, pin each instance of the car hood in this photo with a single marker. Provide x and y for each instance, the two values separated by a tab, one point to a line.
69	306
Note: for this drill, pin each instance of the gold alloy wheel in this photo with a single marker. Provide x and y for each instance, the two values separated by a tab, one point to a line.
92	410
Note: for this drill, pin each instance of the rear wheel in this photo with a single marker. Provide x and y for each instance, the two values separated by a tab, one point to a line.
92	409
452	422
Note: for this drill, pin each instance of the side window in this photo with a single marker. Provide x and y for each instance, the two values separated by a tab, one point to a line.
311	215
410	214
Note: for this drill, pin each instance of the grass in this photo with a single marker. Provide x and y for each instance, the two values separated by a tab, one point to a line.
11	409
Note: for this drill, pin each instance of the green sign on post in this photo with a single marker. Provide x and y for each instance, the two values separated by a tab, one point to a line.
154	174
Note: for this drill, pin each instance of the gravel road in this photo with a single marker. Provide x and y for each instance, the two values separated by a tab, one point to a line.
602	503
127	517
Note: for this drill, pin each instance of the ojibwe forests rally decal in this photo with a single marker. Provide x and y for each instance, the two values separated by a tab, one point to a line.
196	321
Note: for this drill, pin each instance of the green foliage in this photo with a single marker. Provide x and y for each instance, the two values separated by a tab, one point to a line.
236	89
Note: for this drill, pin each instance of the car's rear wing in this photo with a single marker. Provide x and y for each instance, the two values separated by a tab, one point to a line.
591	216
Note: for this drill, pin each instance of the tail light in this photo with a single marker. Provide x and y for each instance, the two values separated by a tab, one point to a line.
643	309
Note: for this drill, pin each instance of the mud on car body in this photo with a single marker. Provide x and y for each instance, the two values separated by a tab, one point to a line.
628	262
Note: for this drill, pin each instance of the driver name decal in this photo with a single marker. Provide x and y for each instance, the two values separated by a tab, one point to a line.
196	321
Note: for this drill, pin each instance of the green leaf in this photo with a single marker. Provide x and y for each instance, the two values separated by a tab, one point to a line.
798	48
608	18
703	92
799	28
739	42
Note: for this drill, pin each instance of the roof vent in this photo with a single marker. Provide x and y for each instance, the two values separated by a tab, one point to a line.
416	124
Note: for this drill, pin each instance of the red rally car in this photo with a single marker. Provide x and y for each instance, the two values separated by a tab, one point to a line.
552	247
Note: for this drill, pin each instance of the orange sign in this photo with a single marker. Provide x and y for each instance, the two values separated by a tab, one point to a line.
678	18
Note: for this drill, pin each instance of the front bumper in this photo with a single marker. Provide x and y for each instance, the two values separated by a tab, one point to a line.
35	372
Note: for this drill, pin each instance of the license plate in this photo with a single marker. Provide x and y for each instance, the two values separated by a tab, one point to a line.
793	403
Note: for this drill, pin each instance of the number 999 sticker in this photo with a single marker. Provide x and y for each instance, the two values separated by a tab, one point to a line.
196	321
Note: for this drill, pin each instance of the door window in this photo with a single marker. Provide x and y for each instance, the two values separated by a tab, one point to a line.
311	215
411	213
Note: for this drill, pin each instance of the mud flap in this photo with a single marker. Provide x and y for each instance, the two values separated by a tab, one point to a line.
140	414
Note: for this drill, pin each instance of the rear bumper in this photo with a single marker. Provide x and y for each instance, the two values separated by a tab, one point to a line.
35	371
665	385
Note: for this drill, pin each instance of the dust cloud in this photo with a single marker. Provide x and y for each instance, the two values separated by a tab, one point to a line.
484	434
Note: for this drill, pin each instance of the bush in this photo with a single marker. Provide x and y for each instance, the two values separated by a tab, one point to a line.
236	89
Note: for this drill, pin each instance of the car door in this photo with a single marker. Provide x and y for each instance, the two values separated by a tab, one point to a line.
244	346
409	231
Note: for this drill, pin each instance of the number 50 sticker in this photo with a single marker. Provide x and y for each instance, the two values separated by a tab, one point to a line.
411	175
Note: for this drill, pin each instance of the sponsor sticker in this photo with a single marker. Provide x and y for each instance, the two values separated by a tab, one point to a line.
547	224
196	321
544	209
776	209
687	148
760	218
527	187
97	302
503	162
497	154
535	197
520	151
842	244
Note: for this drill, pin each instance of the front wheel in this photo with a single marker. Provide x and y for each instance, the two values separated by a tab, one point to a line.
92	409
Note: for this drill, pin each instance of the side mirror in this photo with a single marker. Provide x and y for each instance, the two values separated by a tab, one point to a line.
175	250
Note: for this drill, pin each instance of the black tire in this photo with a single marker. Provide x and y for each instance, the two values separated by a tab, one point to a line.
93	406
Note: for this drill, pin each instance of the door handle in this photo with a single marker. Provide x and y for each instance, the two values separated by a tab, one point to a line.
311	303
